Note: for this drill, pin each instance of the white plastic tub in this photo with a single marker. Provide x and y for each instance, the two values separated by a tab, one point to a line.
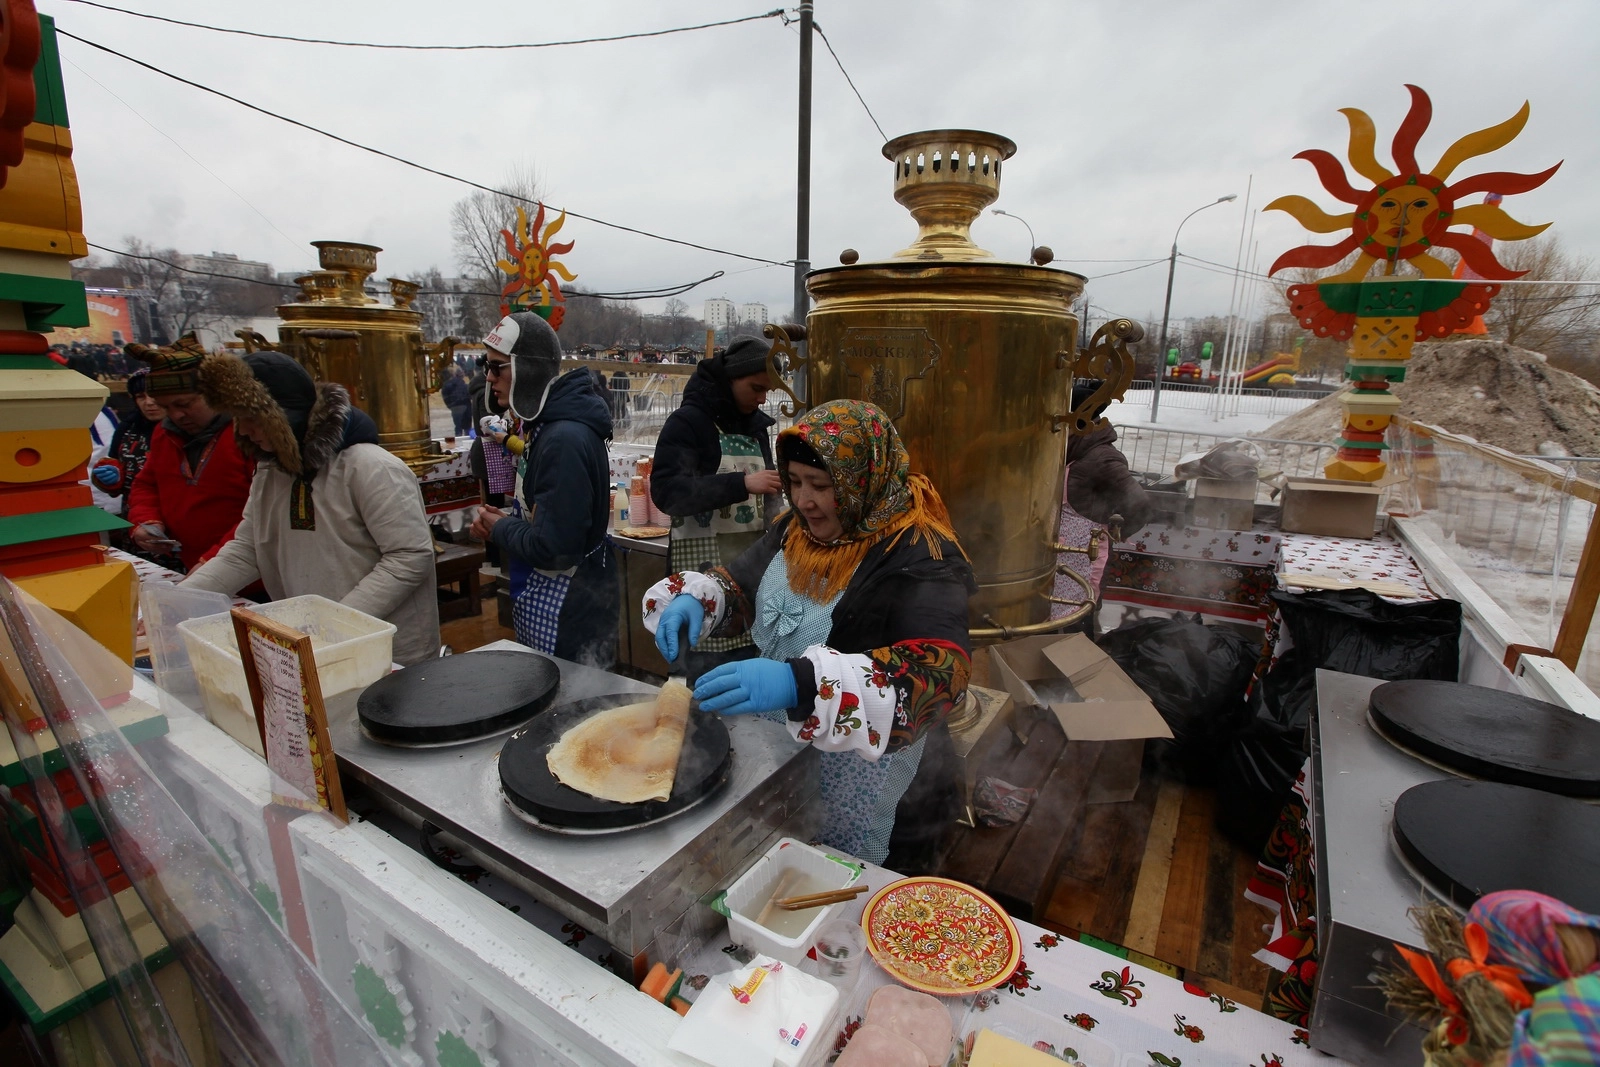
808	870
352	650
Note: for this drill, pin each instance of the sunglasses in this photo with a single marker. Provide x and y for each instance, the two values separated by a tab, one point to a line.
493	369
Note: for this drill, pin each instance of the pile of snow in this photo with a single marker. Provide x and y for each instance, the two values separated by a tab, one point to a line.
1488	390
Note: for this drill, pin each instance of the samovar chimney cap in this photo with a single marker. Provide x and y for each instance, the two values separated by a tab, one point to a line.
934	139
945	178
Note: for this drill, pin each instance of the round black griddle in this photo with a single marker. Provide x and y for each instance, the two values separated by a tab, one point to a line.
458	698
1486	733
1469	838
535	794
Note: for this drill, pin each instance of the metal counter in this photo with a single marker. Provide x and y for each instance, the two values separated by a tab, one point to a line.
629	887
1363	890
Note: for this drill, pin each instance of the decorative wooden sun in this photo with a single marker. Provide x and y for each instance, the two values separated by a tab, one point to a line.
1407	213
533	268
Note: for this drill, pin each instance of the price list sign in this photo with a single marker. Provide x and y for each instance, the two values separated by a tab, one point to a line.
287	695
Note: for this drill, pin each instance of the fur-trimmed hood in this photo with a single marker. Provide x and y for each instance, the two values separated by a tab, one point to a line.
228	385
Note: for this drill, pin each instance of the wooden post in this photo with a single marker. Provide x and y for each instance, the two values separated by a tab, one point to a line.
1575	621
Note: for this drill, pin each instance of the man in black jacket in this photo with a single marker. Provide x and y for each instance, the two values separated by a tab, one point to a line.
564	583
713	473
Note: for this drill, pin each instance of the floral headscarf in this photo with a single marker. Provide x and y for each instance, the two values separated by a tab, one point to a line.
1522	932
878	495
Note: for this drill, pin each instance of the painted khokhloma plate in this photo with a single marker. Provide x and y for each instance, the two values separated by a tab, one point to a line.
940	936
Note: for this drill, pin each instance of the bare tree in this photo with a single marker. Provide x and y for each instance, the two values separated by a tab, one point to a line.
475	225
1557	318
179	300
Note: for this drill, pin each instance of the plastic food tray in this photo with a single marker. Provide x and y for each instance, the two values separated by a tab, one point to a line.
352	650
755	886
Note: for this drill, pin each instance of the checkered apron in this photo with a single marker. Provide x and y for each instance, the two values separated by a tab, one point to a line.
715	538
536	595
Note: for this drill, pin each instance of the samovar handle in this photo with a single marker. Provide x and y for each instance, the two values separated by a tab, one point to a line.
784	356
1108	359
254	342
431	362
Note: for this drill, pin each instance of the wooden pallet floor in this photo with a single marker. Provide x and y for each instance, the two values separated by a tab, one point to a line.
1154	876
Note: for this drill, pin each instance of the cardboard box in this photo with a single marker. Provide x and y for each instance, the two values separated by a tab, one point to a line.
1330	508
1095	702
1225	503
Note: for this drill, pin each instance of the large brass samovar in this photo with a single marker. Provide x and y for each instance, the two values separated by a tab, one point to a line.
375	350
973	358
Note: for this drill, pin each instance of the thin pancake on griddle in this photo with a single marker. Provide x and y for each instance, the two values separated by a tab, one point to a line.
627	754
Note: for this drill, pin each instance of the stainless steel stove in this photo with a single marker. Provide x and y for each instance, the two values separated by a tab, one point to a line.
642	890
1363	889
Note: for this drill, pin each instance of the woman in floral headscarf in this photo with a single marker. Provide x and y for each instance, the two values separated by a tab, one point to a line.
857	599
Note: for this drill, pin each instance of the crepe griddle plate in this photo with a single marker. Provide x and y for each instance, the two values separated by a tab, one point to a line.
535	794
1469	838
458	698
1502	737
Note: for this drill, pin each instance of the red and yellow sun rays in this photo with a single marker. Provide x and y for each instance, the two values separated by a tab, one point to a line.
1407	213
532	266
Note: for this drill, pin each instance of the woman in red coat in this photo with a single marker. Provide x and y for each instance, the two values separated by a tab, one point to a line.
190	493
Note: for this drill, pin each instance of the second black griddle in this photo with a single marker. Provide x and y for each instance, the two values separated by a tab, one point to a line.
458	698
1490	734
1469	838
535	794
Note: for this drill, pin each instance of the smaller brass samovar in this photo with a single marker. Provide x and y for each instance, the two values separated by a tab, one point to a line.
375	350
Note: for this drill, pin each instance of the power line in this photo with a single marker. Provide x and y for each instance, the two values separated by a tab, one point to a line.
407	162
1129	270
840	64
197	162
776	13
631	294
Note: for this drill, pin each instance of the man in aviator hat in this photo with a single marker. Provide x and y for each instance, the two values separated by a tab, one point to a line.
564	583
188	496
331	511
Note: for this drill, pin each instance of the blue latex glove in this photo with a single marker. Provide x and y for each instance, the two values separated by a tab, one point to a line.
746	687
107	476
684	610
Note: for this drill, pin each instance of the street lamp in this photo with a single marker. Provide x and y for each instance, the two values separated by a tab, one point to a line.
1032	244
1172	263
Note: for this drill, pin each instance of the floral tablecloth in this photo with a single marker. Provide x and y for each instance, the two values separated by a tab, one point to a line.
1226	573
1082	1005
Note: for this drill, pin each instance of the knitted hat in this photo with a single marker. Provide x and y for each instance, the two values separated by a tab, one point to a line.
173	369
138	382
745	356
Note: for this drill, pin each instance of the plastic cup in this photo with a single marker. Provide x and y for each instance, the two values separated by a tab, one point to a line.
841	944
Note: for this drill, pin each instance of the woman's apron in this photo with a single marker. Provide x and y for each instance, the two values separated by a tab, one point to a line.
859	797
715	538
536	595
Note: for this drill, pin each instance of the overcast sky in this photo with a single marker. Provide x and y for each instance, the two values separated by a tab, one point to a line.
1127	116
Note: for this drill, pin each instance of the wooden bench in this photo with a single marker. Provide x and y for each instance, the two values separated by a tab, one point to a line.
459	564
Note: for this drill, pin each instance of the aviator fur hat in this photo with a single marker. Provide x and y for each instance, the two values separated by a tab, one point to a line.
268	387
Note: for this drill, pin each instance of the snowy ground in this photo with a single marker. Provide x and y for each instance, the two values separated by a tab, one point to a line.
1196	412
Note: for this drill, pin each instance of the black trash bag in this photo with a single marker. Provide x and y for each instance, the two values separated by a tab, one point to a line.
1347	630
1196	676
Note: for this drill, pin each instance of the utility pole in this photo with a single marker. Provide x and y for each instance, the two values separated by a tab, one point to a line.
802	208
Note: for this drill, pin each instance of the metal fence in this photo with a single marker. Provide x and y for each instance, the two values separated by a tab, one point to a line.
1152	452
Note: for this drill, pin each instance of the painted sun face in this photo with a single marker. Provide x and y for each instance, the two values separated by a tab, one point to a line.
1406	213
532	266
1400	217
